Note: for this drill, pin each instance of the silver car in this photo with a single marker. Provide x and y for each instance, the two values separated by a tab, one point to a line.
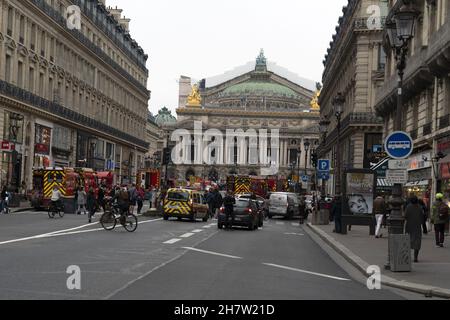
284	204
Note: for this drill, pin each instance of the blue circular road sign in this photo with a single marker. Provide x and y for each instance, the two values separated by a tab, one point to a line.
399	145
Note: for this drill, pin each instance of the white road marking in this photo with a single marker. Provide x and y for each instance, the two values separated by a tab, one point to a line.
304	271
187	235
65	232
207	227
197	231
212	253
172	241
294	234
212	224
295	224
280	223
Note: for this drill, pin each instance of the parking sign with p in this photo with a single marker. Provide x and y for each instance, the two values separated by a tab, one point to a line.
324	165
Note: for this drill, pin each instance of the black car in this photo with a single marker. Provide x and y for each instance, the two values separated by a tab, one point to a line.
246	212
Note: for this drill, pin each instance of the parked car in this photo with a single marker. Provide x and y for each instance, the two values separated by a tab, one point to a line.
284	204
246	212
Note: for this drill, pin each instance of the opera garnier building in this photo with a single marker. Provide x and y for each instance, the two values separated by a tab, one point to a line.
257	120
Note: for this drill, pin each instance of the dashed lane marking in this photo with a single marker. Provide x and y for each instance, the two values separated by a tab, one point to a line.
197	231
305	271
187	235
212	253
172	241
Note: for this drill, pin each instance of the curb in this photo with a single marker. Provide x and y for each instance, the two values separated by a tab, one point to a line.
361	265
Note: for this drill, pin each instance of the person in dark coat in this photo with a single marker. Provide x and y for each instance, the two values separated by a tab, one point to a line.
229	203
210	202
337	214
302	209
90	204
218	201
414	218
101	198
425	216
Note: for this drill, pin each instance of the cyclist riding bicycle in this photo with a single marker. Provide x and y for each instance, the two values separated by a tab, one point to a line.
56	198
123	202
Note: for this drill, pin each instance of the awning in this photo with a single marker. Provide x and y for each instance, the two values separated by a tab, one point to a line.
384	183
445	160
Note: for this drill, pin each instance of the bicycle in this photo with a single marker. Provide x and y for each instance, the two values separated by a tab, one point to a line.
55	209
109	220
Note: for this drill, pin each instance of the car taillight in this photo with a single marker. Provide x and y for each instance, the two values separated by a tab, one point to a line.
222	210
249	210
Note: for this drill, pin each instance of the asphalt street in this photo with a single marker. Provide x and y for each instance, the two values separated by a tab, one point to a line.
168	260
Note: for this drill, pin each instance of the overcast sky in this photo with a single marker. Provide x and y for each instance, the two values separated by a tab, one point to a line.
205	38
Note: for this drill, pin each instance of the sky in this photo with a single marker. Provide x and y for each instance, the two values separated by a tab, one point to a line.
206	38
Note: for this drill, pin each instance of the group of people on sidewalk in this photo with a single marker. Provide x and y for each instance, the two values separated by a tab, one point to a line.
416	214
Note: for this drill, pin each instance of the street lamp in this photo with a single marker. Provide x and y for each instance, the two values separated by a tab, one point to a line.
306	145
299	157
400	31
338	107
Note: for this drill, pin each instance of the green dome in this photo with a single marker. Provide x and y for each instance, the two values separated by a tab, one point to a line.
260	88
165	117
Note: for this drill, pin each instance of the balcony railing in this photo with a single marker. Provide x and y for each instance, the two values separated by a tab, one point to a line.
38	102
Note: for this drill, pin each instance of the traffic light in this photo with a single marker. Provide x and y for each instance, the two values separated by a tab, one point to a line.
167	156
314	160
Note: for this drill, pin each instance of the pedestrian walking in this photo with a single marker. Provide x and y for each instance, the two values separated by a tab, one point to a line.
414	219
91	204
439	218
218	201
139	199
229	203
379	208
3	197
302	209
133	197
337	214
81	200
101	198
210	202
425	216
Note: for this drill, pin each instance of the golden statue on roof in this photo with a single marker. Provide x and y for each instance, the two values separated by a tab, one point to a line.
194	99
315	100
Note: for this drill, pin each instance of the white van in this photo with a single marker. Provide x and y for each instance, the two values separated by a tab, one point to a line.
284	204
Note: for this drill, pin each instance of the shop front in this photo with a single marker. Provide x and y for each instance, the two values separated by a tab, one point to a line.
443	166
42	146
420	177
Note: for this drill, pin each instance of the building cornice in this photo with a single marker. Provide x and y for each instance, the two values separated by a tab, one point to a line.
246	113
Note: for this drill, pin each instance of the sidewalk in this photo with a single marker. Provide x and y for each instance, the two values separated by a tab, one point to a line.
431	276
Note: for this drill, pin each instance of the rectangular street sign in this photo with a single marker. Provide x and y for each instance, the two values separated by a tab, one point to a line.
324	176
397	176
324	165
399	164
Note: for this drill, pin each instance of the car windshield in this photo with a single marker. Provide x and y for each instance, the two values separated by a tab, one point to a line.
241	203
178	196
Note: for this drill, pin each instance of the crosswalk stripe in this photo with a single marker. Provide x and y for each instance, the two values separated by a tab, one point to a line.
187	235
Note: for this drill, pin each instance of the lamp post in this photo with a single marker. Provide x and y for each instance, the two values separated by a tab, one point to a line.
338	106
299	158
306	145
400	31
323	127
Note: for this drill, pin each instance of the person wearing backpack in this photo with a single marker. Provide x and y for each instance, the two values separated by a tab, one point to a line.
439	218
133	197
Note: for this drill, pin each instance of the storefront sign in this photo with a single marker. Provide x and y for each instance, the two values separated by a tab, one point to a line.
420	161
397	176
399	164
7	146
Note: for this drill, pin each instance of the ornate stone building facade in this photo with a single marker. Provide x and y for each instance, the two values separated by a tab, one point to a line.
73	98
257	97
426	95
354	67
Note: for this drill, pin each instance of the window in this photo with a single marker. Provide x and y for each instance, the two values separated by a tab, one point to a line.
8	68
10	21
33	37
22	29
381	58
31	80
20	74
43	44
